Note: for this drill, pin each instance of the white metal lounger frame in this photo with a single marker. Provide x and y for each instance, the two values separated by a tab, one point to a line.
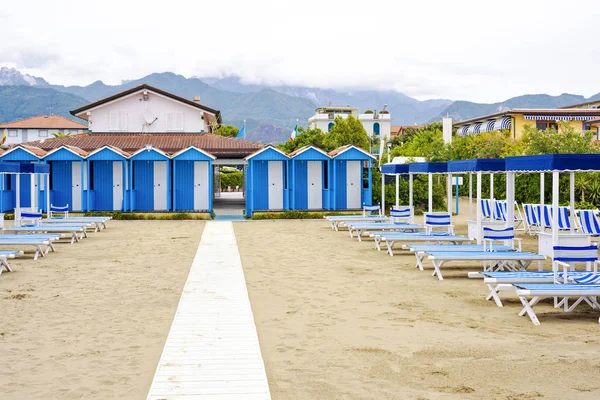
4	265
36	219
390	240
65	211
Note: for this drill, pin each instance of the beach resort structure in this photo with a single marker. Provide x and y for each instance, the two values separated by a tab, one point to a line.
377	124
514	120
40	127
149	150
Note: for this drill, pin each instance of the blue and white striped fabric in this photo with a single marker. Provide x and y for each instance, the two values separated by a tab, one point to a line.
401	213
370	209
575	253
59	209
543	216
499	210
498	234
589	222
557	288
442	219
486	210
564	222
586	279
26	215
531	215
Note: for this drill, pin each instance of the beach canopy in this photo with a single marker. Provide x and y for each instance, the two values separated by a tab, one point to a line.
554	162
477	165
428	168
9	168
393	169
29	168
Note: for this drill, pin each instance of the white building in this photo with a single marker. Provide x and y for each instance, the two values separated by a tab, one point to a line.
376	124
39	127
146	109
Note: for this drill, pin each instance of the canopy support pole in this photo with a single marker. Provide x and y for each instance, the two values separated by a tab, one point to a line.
510	199
449	191
410	196
430	189
542	185
18	200
32	193
471	196
397	190
492	189
572	201
555	183
48	195
478	207
382	193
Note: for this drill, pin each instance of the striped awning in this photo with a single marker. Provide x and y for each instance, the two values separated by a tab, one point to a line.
487	126
549	117
474	128
502	123
462	131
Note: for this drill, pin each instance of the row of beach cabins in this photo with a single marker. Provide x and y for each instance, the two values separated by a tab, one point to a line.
571	242
32	230
149	179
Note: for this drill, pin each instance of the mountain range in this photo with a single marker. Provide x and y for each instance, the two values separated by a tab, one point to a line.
270	111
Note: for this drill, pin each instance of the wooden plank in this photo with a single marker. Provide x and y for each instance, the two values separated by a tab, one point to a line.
212	350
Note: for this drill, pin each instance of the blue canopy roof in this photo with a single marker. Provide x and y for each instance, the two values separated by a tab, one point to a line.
30	168
393	169
428	168
9	168
554	162
477	165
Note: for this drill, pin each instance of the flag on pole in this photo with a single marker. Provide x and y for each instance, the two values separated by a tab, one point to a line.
294	133
4	135
241	132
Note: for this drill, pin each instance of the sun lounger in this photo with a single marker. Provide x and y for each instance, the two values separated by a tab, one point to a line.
365	227
337	220
498	260
531	219
588	222
37	241
4	256
97	225
370	209
587	293
441	220
501	210
390	238
486	209
421	251
99	222
73	230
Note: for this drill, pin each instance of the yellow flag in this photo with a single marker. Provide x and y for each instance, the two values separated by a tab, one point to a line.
4	135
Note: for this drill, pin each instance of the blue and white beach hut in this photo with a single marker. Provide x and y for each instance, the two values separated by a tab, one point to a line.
68	178
267	181
150	177
29	184
106	188
351	186
192	180
309	179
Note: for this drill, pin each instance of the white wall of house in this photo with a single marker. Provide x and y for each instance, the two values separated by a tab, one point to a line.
15	136
368	121
126	115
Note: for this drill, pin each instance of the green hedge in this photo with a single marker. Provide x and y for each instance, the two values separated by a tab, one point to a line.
149	216
293	214
231	179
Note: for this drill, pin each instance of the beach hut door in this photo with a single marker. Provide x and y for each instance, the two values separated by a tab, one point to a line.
200	185
117	181
160	185
315	185
353	189
75	186
275	185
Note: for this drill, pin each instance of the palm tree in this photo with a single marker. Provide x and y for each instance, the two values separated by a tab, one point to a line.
594	191
60	134
582	183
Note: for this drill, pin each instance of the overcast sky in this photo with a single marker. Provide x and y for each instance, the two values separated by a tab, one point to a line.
483	51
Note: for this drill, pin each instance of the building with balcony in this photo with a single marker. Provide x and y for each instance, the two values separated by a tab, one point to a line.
377	124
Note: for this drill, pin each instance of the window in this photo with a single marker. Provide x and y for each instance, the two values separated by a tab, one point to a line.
12	133
175	121
117	121
553	125
92	175
541	126
376	128
330	126
42	133
325	175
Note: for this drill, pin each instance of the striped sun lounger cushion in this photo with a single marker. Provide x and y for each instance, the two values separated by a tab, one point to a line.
575	254
486	210
530	215
26	215
498	234
589	222
403	213
586	278
59	209
437	219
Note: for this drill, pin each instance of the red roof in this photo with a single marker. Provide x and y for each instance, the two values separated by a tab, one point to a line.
220	146
44	122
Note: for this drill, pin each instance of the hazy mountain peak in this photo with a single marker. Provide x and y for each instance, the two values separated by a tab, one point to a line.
12	77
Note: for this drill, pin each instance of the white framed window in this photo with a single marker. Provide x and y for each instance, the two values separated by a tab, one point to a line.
117	121
42	133
175	121
12	133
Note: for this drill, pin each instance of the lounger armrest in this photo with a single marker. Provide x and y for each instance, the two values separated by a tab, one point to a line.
566	267
519	243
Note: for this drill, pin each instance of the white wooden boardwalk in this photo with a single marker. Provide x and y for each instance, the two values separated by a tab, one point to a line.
212	350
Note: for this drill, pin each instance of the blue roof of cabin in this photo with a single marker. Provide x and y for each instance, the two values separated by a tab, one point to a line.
394	168
63	155
269	154
149	155
353	154
554	162
428	167
192	154
107	154
477	165
19	154
311	154
9	168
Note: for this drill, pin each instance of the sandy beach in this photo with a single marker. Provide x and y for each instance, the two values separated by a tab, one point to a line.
90	321
338	320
